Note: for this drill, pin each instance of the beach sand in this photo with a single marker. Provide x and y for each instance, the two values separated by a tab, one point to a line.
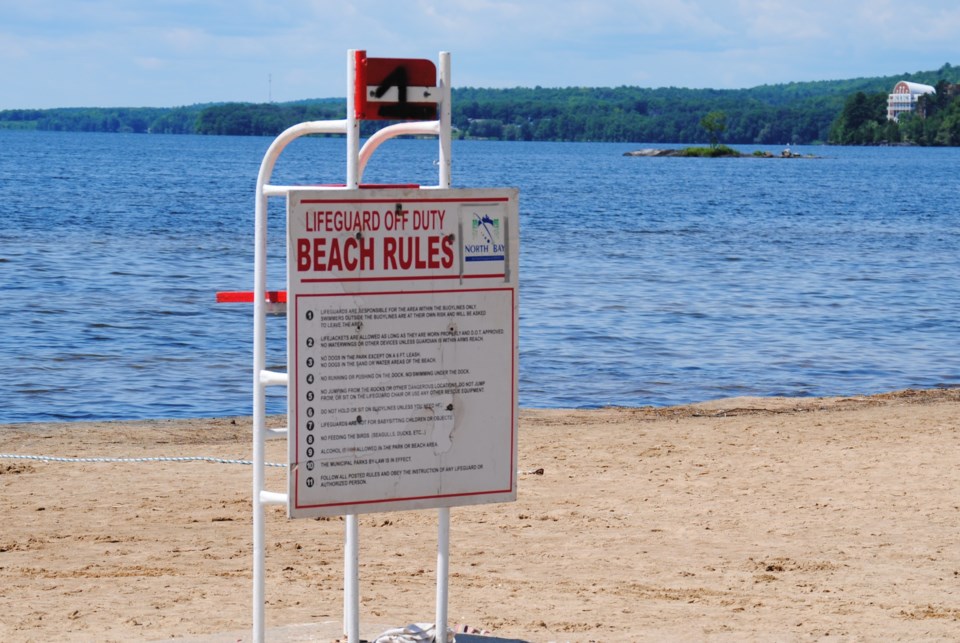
736	520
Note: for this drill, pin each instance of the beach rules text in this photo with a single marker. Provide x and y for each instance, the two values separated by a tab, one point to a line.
402	349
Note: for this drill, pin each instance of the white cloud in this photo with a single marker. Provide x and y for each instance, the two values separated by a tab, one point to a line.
12	47
184	39
775	21
915	24
151	64
225	49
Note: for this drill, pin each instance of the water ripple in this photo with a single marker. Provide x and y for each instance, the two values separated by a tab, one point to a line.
644	281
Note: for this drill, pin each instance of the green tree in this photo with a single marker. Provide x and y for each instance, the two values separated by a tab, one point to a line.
891	132
948	133
715	123
861	121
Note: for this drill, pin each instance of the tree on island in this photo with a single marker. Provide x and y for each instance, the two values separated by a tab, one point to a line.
714	122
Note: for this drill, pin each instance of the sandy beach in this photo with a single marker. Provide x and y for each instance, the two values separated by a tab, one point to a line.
735	520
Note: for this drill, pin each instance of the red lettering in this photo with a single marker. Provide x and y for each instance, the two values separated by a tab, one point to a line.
303	254
406	258
432	253
350	254
352	260
417	253
366	254
390	253
447	246
318	254
336	257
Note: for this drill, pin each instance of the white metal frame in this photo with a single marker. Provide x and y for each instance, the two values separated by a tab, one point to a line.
357	159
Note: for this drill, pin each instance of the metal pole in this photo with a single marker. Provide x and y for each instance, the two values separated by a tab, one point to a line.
351	562
353	125
443	515
261	378
445	120
443	571
259	403
351	571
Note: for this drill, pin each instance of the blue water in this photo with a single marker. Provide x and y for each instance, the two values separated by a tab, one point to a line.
643	280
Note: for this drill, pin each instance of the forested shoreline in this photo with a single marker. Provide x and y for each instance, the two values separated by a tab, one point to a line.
841	112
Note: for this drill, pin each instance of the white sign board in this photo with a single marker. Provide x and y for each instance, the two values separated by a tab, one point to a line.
402	348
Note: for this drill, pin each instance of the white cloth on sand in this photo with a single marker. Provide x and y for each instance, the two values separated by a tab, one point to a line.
413	633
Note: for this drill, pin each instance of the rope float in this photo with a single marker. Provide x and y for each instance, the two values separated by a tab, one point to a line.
46	458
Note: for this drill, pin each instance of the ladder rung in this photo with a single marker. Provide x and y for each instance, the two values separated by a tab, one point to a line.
272	498
272	378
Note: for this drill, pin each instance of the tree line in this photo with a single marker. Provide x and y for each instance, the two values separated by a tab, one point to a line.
844	111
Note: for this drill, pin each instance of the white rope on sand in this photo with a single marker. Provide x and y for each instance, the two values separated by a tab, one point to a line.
47	458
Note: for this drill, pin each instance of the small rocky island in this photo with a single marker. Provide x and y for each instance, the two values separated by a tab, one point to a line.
718	151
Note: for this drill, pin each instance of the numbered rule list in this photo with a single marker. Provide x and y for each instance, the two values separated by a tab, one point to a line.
401	399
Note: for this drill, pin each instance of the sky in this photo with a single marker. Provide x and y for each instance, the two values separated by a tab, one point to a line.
165	53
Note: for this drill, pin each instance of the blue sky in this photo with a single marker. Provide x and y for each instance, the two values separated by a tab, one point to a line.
66	53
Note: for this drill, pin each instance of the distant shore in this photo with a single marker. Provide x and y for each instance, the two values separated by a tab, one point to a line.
745	519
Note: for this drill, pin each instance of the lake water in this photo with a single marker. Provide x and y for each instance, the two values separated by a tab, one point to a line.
644	281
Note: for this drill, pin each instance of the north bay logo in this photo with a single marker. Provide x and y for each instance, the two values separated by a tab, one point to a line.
486	239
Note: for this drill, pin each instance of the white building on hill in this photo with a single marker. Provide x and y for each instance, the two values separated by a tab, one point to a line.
904	98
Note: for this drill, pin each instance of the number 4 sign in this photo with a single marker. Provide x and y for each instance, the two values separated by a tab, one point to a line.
398	89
